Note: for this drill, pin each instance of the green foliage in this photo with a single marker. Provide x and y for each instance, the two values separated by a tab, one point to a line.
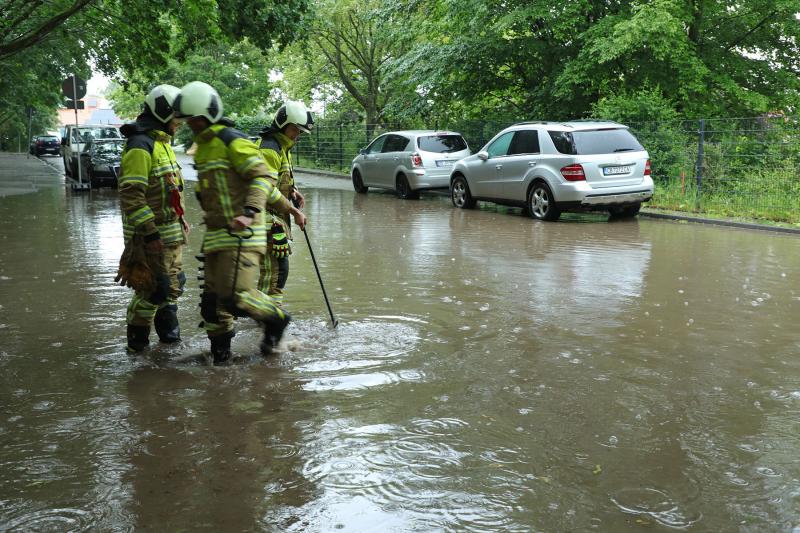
345	61
648	104
29	79
239	72
140	42
253	124
538	60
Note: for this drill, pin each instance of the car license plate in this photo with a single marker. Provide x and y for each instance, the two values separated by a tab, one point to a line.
613	171
444	163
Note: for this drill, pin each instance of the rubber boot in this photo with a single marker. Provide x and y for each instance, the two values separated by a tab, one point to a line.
166	323
138	338
221	348
273	331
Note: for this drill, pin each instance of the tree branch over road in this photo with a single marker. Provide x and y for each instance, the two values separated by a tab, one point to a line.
38	32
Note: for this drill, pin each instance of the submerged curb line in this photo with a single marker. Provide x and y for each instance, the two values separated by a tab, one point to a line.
718	222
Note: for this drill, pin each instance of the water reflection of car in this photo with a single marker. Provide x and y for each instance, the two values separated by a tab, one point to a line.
45	144
408	161
550	167
101	161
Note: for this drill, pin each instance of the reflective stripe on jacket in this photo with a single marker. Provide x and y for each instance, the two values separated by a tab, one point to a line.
276	149
149	174
232	175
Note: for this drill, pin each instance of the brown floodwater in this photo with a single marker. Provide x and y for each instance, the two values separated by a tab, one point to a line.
490	373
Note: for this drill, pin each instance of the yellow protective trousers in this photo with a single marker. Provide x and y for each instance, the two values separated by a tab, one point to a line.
167	264
219	304
273	275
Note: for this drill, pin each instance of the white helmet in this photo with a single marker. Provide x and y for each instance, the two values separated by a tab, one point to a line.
294	112
198	99
160	102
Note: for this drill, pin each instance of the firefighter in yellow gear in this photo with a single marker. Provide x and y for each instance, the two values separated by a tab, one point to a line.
235	193
291	120
151	198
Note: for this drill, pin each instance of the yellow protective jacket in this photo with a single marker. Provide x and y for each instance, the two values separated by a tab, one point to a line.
232	175
276	149
149	175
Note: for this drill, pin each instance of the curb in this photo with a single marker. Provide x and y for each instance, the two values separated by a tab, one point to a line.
52	168
326	173
718	222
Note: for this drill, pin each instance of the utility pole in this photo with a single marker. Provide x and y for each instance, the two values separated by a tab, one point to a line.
74	88
78	145
29	109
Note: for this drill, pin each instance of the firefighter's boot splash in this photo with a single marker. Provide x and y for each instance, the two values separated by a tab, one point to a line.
166	324
221	348
273	331
138	338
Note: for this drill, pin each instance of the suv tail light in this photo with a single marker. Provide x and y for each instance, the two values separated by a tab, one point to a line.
647	168
416	160
573	173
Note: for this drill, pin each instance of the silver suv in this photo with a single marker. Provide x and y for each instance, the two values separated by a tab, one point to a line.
550	167
408	161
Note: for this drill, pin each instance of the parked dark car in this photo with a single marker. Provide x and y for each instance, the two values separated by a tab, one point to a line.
45	144
101	161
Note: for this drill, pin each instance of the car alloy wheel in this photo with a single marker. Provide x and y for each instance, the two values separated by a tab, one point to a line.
541	204
460	195
358	183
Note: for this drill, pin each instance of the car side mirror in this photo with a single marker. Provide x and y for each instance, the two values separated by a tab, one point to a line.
483	156
363	151
63	141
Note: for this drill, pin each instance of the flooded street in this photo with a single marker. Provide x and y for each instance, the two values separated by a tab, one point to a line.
489	373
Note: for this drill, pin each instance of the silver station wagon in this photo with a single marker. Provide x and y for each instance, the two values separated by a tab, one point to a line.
550	167
408	161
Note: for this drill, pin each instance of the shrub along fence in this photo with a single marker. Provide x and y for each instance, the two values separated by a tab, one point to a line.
737	167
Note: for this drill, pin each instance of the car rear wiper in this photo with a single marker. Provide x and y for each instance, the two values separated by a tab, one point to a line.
623	150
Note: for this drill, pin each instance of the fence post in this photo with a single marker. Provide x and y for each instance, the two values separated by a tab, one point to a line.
316	153
699	166
341	149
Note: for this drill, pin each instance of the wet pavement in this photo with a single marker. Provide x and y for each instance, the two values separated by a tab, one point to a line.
490	373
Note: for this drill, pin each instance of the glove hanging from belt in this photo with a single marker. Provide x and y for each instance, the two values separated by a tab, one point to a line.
134	270
280	242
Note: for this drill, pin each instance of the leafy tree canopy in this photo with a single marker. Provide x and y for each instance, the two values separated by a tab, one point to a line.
239	72
542	60
43	41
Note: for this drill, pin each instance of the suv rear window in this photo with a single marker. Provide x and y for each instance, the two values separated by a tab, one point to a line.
442	144
591	142
48	138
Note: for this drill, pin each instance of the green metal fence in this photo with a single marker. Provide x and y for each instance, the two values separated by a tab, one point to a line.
736	167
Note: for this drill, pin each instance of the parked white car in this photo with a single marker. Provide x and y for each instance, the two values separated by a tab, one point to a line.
74	143
550	167
408	161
